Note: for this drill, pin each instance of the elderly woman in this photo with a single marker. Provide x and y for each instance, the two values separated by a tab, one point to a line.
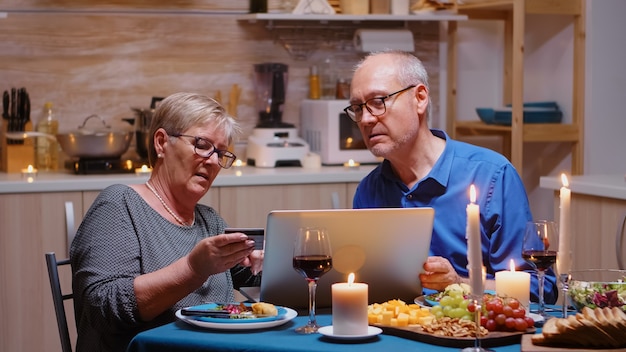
143	251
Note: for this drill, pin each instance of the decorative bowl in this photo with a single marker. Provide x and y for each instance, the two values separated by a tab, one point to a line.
598	288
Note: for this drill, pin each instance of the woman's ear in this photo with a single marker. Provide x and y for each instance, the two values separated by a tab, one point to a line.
160	140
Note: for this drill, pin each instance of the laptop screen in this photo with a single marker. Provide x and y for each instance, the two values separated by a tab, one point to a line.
385	248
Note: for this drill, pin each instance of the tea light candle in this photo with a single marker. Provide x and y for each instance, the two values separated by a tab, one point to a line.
29	172
349	306
239	163
474	247
144	170
564	264
515	284
351	164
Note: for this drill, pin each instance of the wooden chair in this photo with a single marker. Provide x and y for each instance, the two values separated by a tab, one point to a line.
58	298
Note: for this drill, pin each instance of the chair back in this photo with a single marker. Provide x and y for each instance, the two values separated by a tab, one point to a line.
58	298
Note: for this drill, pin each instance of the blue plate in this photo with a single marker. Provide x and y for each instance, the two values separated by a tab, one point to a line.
281	313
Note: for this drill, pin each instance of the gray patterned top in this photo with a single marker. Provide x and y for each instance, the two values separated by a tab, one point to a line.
120	238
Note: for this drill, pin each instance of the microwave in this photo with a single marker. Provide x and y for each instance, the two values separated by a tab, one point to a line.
332	134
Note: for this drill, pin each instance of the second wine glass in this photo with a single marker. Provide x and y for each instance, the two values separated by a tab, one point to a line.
540	249
312	259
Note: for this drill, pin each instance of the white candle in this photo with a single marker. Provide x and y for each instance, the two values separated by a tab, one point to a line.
29	172
351	164
144	170
474	247
564	260
515	284
349	307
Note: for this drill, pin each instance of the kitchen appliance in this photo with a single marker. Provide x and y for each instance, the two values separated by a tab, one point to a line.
273	142
332	134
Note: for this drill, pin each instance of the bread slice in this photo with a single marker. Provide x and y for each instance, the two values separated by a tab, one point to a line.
598	335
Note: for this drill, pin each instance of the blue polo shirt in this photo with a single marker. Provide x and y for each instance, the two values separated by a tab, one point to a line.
504	208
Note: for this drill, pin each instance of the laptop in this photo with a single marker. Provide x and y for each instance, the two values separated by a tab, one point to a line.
385	248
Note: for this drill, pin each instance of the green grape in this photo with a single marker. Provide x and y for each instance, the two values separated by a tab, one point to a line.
436	309
446	301
467	317
464	303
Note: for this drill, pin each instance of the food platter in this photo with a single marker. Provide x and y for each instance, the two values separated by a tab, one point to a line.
493	339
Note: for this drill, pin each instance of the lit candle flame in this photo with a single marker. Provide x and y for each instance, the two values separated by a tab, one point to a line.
350	162
30	168
512	265
564	180
472	194
144	168
350	279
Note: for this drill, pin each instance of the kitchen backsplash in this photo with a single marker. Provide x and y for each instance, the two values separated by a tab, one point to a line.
88	57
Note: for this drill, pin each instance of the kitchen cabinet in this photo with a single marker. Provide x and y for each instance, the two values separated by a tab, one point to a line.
31	225
595	224
248	206
513	14
598	210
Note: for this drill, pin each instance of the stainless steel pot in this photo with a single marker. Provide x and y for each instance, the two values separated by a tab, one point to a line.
143	117
102	142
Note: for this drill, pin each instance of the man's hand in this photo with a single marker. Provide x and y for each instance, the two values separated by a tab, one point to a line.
438	274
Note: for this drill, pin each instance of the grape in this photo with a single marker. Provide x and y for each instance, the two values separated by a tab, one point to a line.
453	305
505	315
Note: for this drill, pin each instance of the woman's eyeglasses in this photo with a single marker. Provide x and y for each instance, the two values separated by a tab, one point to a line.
375	106
205	149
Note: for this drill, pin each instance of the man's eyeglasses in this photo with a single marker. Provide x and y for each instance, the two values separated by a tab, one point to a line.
375	106
205	149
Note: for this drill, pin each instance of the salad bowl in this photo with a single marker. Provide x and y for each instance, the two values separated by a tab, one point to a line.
598	288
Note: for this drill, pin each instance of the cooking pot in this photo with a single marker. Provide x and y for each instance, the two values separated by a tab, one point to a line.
100	142
143	117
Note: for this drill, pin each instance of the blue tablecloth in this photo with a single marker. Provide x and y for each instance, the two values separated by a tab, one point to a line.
182	337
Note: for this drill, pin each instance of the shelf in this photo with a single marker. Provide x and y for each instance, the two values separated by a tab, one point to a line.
302	34
513	14
322	19
531	7
532	132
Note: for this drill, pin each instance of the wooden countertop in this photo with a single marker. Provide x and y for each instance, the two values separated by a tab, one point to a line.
609	186
235	176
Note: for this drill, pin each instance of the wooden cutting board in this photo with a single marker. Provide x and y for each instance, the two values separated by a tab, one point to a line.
527	346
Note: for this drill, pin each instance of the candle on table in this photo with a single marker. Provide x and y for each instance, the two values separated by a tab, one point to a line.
29	172
349	307
474	247
144	170
515	284
564	260
351	164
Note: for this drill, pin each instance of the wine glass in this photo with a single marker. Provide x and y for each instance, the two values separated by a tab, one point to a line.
539	250
312	259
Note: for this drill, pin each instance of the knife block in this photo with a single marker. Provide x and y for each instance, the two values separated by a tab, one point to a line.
15	157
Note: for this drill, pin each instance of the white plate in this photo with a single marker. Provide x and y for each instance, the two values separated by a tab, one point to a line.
536	317
328	332
289	315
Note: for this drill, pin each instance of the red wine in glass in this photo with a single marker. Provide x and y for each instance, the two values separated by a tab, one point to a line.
539	249
542	260
312	258
312	267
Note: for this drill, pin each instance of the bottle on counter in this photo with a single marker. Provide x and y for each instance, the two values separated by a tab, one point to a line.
314	83
328	78
47	150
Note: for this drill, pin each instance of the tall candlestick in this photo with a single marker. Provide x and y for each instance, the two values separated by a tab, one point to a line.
349	306
474	247
514	284
564	260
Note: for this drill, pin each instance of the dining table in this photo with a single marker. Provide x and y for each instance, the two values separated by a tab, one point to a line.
180	336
